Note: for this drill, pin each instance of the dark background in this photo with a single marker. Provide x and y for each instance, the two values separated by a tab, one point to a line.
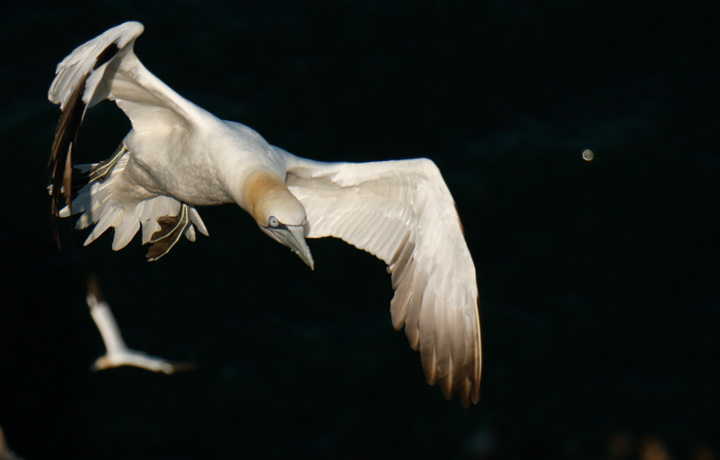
598	280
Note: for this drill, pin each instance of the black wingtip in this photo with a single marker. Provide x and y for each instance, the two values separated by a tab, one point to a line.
61	161
61	156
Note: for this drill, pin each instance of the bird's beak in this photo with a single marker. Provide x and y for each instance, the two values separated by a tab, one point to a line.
292	236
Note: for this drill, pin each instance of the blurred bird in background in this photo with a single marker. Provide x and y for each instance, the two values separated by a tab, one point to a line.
118	354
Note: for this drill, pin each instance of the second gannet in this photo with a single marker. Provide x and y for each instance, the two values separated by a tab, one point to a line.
117	353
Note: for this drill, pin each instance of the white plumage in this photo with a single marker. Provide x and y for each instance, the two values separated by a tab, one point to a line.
178	156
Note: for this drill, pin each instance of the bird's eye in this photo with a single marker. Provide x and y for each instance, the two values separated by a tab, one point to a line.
273	222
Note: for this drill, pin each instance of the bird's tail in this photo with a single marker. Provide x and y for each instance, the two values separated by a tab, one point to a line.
163	219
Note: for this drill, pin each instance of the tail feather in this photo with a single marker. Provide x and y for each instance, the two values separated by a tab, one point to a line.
150	213
195	217
97	204
149	223
109	219
190	233
125	230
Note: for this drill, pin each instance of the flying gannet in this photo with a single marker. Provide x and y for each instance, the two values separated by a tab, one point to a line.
178	156
118	354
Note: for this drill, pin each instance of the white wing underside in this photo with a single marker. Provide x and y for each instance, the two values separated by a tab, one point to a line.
145	99
403	213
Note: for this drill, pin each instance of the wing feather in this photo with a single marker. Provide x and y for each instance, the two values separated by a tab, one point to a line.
106	68
403	213
78	78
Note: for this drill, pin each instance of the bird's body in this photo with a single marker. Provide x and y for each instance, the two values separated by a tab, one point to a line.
197	168
205	164
178	156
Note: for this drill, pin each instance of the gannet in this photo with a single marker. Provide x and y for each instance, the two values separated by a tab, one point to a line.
118	354
178	156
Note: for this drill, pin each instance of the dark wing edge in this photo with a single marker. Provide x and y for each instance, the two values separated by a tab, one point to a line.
66	133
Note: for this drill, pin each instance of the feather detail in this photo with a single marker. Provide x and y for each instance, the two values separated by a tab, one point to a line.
402	212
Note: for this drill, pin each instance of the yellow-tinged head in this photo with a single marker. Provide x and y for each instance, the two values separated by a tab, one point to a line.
278	213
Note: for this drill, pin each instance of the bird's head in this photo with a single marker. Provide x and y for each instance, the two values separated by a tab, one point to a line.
278	213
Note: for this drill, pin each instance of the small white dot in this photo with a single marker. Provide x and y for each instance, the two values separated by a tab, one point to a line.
588	155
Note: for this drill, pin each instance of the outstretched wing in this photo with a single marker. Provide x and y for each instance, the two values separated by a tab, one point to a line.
106	68
403	213
104	319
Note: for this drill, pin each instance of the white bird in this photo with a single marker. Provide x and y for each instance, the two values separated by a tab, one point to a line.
118	354
178	156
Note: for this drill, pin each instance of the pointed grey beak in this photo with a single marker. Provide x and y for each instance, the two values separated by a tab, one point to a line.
292	236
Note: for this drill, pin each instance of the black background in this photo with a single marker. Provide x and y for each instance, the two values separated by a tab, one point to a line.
598	280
